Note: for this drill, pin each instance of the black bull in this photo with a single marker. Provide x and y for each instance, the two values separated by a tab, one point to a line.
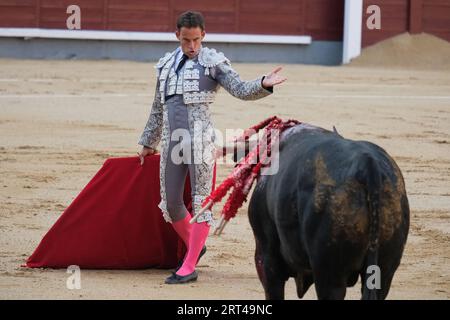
334	208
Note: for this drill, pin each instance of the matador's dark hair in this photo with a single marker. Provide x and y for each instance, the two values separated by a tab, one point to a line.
191	19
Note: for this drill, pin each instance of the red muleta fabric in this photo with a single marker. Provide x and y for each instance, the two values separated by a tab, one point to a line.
115	222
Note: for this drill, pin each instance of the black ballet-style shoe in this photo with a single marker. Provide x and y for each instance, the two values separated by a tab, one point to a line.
176	279
199	256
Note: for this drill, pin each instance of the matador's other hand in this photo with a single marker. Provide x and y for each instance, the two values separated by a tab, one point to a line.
273	78
144	152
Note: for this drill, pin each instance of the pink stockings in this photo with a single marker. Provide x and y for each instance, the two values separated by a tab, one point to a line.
194	236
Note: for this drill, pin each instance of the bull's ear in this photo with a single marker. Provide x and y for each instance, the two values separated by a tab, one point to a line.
336	132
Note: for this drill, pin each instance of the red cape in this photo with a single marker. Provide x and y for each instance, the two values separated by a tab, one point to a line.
114	223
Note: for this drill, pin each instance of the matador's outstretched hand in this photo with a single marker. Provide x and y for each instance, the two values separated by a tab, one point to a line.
273	78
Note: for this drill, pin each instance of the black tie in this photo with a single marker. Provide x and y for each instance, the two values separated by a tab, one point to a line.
182	62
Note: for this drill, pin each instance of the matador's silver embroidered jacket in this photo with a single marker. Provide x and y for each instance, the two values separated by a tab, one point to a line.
198	82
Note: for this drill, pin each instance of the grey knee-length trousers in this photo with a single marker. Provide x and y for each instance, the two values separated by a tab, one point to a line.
176	172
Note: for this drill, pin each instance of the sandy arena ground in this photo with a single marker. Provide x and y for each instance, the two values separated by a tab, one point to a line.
59	121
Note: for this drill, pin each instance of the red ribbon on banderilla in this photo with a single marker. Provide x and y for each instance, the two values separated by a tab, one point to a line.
246	171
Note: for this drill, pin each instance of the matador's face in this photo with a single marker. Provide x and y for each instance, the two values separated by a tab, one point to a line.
190	40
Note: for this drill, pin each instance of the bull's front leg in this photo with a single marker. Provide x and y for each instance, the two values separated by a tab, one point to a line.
303	281
270	273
